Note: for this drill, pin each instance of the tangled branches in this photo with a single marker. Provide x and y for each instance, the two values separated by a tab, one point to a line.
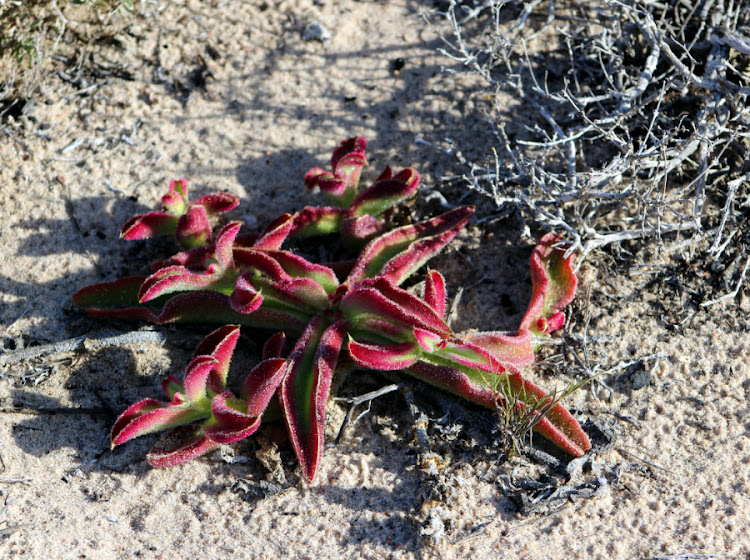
613	120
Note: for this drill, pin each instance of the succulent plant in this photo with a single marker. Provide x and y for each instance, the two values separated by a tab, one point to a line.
336	315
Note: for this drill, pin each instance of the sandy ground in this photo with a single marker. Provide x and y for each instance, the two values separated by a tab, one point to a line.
673	483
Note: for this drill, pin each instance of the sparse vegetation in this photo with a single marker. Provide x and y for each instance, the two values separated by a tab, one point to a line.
615	121
33	32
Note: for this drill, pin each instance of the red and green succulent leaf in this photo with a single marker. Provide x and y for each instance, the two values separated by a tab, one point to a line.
302	294
385	193
257	261
201	307
196	378
381	298
299	294
245	298
434	292
217	203
553	285
218	273
193	228
194	259
358	230
275	346
399	253
224	248
176	200
229	423
429	341
276	233
174	279
119	293
340	184
179	446
468	384
219	345
348	159
171	386
298	267
337	190
260	385
149	225
149	416
462	353
507	348
384	357
304	390
558	425
188	222
312	221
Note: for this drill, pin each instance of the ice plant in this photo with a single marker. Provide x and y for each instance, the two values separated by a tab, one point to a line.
188	222
357	215
358	314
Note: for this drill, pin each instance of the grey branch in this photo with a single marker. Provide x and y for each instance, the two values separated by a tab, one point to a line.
81	344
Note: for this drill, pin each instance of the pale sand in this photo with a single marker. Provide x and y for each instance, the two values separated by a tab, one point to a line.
678	474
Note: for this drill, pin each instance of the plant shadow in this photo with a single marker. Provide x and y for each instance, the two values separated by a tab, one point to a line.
81	420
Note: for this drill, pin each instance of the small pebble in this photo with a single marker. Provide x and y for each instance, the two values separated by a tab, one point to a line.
316	31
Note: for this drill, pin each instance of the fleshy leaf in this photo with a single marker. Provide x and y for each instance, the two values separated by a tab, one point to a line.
149	225
381	298
340	184
299	267
193	228
348	159
384	357
434	292
312	221
261	384
218	202
559	426
196	378
275	347
553	285
260	261
507	348
193	258
304	391
399	253
171	386
245	298
463	353
175	201
385	194
429	341
119	293
336	189
179	446
198	307
174	279
219	345
302	294
276	232
224	244
229	423
148	416
468	385
358	230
